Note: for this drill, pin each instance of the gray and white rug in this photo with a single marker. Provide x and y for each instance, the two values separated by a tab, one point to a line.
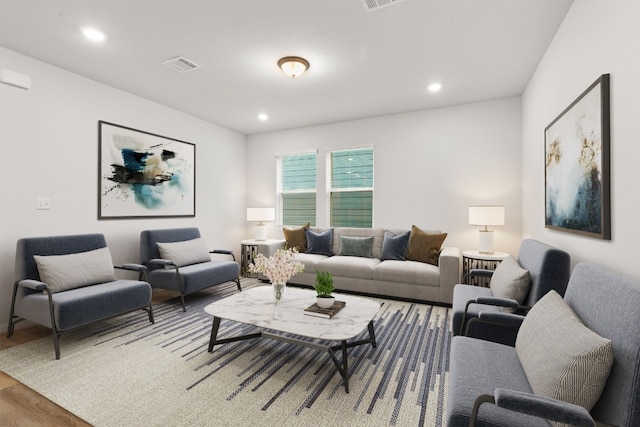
128	372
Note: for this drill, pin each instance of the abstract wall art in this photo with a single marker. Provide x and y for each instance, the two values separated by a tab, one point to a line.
144	175
577	165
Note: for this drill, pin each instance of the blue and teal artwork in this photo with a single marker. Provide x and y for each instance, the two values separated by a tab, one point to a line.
575	174
144	174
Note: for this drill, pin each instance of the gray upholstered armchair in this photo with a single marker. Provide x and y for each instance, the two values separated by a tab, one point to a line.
67	282
548	268
177	259
576	361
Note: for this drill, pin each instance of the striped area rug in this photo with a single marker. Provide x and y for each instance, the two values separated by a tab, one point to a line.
128	372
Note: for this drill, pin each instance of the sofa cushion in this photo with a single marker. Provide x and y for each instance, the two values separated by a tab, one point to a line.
412	272
63	272
424	247
310	261
562	358
319	243
510	280
394	247
356	246
296	238
186	252
348	266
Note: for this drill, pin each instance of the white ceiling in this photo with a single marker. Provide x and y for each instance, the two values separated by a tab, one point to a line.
363	64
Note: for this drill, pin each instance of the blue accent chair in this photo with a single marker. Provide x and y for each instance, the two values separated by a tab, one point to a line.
71	309
488	386
549	268
165	274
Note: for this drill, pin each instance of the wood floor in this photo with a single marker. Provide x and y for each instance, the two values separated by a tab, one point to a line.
22	407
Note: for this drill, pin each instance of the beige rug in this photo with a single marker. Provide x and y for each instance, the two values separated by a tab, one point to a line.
128	372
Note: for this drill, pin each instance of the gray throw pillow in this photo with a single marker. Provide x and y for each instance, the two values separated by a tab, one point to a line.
319	243
356	246
509	280
187	252
394	247
562	358
64	272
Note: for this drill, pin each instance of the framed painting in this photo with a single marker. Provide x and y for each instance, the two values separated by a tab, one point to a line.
143	175
577	165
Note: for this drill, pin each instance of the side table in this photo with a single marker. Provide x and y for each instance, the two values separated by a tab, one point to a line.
250	248
475	259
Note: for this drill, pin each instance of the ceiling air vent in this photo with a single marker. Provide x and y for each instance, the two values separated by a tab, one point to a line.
371	5
181	64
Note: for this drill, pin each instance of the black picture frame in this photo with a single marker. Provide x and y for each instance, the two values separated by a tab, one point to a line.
577	165
144	175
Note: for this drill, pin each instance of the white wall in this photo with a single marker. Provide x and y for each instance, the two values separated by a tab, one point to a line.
49	140
429	167
595	38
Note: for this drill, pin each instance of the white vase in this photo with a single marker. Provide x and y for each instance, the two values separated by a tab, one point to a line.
325	302
278	291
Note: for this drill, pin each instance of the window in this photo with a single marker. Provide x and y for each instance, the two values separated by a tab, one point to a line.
297	189
350	184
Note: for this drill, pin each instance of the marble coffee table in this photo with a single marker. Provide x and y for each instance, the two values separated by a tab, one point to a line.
256	307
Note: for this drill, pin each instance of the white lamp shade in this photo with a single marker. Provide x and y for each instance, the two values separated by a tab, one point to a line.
261	214
486	215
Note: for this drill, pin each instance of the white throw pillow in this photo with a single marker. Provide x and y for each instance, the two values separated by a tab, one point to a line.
509	280
186	252
63	272
562	358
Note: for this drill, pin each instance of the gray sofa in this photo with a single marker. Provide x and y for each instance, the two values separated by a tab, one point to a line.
499	379
399	279
67	282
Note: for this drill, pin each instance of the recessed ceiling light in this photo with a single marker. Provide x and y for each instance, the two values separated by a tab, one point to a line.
263	117
93	34
434	87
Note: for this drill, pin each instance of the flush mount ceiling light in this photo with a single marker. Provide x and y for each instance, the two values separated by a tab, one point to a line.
434	87
293	66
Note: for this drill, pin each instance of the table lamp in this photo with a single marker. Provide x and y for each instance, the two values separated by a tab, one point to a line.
261	214
485	216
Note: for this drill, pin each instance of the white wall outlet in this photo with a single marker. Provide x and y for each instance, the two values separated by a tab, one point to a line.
43	203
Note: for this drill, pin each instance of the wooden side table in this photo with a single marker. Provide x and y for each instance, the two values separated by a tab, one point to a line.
250	248
475	259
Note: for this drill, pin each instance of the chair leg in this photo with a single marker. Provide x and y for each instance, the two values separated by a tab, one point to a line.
54	330
11	324
237	280
150	313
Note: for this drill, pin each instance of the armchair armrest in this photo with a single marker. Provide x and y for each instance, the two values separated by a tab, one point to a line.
497	327
498	302
132	267
223	252
36	285
537	406
162	262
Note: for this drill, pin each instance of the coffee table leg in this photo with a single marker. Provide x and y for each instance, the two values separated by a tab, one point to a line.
345	366
372	335
214	332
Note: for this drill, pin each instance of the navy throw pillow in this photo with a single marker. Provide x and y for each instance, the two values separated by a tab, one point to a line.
395	247
319	243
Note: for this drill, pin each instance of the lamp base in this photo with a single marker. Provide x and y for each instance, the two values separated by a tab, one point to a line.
261	232
486	242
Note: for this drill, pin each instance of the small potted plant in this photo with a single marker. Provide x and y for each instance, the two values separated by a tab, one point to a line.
324	288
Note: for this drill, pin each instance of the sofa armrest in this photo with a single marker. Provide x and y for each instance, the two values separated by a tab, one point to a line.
537	406
132	267
162	262
223	252
449	263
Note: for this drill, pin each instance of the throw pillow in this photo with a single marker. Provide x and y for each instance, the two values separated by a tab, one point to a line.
424	247
296	238
64	272
319	243
395	246
186	252
356	246
562	358
509	280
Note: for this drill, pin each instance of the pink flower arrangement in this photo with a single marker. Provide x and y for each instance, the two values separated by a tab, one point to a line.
279	267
